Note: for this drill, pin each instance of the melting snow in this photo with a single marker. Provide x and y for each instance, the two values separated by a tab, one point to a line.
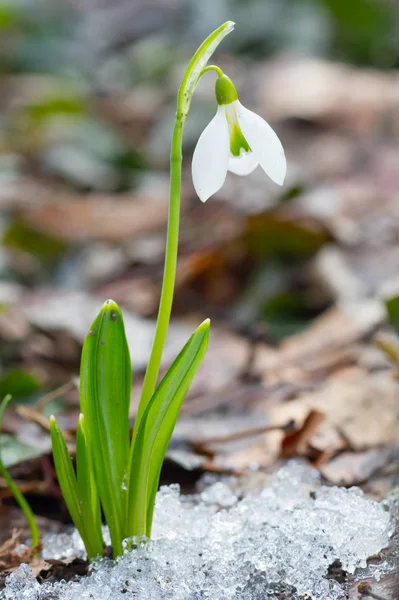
220	547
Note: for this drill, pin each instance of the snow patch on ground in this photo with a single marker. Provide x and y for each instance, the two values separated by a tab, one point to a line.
218	546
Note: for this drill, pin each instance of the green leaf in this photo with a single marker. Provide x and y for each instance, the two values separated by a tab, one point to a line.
46	248
52	105
156	428
271	235
69	489
66	474
10	16
105	388
18	383
87	489
392	306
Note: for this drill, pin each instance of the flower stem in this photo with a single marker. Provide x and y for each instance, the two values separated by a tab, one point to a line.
218	70
169	275
186	90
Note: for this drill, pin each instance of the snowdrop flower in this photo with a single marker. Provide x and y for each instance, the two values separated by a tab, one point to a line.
236	140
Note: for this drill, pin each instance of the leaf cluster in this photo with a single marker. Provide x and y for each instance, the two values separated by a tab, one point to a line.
116	475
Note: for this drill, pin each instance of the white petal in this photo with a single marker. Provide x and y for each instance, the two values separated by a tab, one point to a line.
243	164
211	157
263	142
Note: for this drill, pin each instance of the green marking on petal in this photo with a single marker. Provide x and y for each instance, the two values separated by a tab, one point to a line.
238	141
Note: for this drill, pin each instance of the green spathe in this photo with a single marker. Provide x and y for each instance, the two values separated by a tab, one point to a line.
225	90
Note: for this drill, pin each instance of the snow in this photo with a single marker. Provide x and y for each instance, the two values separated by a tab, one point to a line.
220	546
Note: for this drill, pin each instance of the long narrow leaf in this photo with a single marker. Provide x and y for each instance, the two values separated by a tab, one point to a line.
23	503
156	428
105	388
87	490
67	480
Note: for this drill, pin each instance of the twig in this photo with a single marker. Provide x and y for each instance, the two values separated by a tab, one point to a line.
69	385
238	435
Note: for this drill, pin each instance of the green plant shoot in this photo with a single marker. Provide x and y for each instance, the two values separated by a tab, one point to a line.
105	388
189	83
24	505
104	475
156	428
84	515
113	473
116	475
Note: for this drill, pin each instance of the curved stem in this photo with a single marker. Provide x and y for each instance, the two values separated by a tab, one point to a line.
212	68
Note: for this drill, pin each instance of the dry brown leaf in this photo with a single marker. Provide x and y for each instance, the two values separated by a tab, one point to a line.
56	570
97	216
315	89
10	544
226	359
297	442
259	455
363	407
9	558
353	468
327	345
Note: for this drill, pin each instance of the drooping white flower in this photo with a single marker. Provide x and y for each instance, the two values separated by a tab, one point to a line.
236	140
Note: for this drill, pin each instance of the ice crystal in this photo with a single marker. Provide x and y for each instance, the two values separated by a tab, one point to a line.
280	541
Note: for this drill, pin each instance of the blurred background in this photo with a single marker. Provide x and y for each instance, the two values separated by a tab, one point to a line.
293	278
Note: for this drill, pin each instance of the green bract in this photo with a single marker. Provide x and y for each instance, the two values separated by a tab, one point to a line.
197	64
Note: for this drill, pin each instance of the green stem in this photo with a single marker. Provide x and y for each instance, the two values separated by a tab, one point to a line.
169	276
218	70
190	80
26	509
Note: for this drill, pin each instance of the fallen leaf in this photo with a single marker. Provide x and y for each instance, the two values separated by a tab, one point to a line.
328	344
225	360
363	407
297	442
98	217
354	468
319	90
